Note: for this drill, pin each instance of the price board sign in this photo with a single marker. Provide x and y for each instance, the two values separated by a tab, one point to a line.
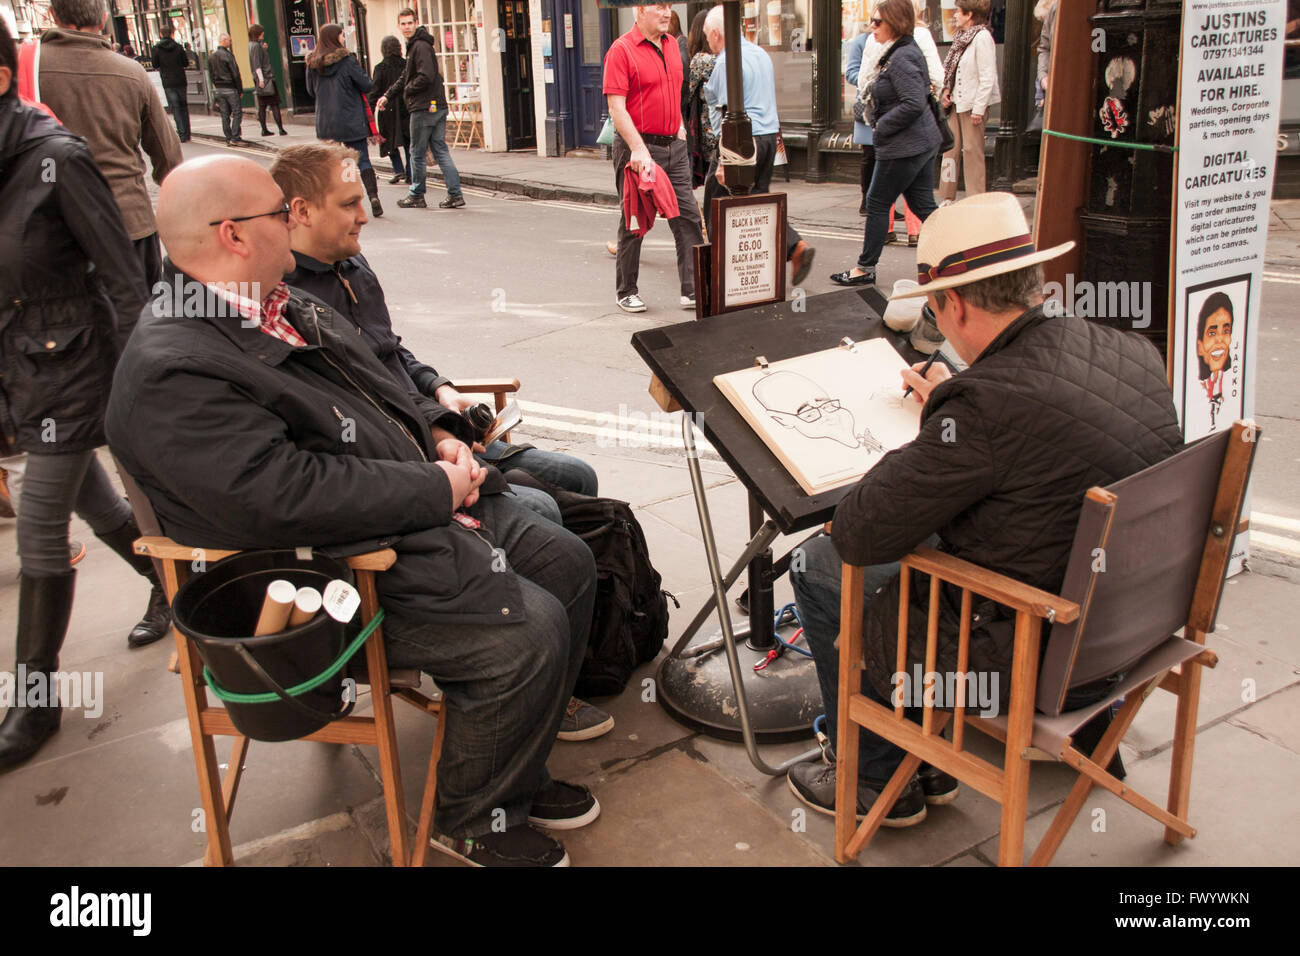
747	239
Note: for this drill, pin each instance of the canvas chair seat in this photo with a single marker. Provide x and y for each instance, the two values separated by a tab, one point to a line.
1149	558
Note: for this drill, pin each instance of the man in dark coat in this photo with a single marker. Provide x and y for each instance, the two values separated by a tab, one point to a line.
426	100
227	90
170	61
263	421
110	102
1048	408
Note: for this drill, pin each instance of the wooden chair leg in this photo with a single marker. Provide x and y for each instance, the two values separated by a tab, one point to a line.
386	741
1180	770
425	826
1020	725
846	743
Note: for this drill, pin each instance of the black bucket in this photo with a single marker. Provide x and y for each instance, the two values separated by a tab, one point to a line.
218	610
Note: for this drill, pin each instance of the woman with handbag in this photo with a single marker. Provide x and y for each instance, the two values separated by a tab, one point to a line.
905	135
394	123
336	80
970	87
268	96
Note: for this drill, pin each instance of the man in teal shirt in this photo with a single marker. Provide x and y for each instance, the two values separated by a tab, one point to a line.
760	104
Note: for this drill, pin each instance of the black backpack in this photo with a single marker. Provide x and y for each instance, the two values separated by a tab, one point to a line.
629	623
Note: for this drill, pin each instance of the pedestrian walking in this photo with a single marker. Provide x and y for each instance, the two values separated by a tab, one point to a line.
394	124
70	292
170	61
643	86
701	137
970	87
336	80
264	86
759	92
227	88
123	116
906	139
420	87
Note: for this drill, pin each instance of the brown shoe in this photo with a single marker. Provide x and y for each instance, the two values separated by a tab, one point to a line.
611	247
801	259
6	503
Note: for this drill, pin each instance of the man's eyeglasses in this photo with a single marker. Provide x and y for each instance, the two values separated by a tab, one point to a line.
282	212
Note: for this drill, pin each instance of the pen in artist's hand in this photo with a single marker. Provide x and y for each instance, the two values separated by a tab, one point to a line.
924	368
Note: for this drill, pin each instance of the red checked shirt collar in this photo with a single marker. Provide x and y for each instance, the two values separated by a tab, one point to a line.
269	313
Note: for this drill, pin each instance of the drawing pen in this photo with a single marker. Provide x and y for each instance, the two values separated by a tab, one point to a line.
924	368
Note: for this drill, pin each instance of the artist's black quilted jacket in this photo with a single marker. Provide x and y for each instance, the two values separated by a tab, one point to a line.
1006	451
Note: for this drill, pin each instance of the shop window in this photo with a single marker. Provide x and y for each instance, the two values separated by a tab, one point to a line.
781	27
455	38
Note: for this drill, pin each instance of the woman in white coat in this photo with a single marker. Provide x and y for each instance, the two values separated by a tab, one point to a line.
970	87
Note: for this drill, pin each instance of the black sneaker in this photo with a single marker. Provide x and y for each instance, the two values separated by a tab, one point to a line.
518	846
939	787
452	202
412	202
583	721
563	806
813	782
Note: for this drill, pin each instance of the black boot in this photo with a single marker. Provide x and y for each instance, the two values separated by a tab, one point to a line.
157	620
372	190
44	607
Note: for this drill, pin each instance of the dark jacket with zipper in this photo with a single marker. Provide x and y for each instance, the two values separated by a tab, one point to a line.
420	85
224	70
70	286
901	117
240	440
1006	451
352	289
339	85
170	61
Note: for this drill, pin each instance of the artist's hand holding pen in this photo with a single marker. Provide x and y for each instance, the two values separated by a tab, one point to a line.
921	378
463	472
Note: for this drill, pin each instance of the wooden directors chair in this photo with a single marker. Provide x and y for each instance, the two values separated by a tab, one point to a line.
1149	557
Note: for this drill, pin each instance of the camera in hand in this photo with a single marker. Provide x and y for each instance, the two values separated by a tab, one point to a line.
480	418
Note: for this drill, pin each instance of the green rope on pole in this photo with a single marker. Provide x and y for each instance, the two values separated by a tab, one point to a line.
231	697
1149	147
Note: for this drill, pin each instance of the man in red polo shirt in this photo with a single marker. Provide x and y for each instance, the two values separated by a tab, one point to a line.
643	83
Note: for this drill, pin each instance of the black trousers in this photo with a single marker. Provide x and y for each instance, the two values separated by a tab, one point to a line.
675	161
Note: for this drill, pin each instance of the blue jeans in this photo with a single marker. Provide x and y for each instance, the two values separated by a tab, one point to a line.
505	685
564	471
180	108
363	162
912	177
429	131
817	593
232	114
401	167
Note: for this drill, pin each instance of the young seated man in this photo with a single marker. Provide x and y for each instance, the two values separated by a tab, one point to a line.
253	417
328	205
1048	407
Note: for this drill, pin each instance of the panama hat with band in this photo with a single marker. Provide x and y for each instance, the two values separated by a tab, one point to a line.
973	239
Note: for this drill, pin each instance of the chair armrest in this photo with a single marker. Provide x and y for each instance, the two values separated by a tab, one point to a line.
493	385
165	549
999	587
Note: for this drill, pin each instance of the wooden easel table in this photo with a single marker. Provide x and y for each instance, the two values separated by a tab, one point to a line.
466	116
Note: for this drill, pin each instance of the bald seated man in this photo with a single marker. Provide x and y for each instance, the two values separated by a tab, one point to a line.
253	416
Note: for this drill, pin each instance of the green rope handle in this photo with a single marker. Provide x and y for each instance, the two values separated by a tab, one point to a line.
1149	147
231	697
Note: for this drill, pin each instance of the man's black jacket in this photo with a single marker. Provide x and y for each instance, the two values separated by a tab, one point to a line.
240	440
1006	451
351	288
224	70
170	60
421	83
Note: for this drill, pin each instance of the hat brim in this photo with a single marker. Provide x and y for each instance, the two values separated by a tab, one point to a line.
986	272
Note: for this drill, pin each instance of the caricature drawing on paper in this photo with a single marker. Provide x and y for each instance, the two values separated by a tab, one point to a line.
797	402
